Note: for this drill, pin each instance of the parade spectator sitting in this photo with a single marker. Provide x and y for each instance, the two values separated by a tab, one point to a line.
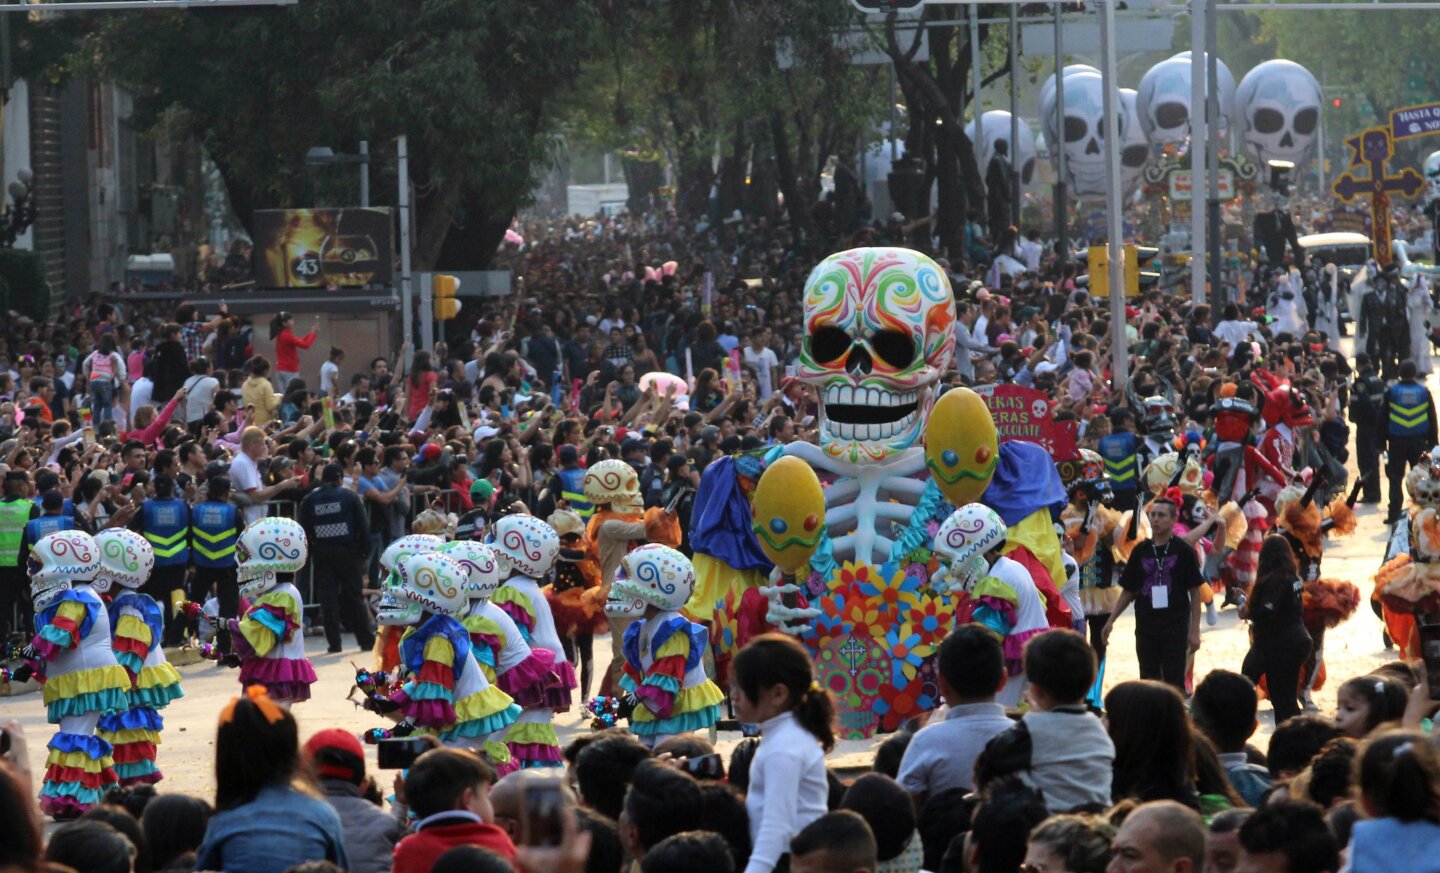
1160	837
662	801
1154	746
688	852
1059	748
370	834
448	792
883	805
1224	708
1296	742
942	755
90	847
603	770
837	842
263	822
174	827
1288	837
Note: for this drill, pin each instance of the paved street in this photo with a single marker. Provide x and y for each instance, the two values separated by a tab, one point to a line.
186	755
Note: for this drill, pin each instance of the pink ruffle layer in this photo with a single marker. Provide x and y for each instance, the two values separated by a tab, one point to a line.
557	695
284	678
526	681
535	752
1015	649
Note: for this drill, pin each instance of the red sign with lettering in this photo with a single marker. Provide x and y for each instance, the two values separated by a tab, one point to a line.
1028	414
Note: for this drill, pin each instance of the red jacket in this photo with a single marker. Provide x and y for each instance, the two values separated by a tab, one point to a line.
287	358
418	852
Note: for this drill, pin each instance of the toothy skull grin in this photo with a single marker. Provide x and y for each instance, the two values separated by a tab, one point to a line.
850	413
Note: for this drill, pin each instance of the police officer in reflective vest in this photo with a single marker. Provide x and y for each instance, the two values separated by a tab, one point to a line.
16	509
51	519
338	528
1119	450
569	482
214	528
1406	429
164	520
1367	402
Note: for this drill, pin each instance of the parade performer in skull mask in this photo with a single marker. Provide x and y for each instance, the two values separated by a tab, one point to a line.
526	548
72	655
269	638
1409	580
387	640
1238	468
136	623
1285	411
1090	525
501	651
998	592
670	692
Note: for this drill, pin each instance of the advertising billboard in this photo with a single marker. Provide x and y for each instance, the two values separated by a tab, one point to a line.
317	248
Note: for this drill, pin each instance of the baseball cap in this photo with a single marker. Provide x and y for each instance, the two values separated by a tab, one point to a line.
482	488
336	754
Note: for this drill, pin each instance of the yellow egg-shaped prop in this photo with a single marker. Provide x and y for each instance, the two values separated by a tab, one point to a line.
961	445
788	513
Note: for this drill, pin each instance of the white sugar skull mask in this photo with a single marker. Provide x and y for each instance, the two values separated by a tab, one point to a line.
126	559
267	548
1279	105
996	130
879	332
481	568
962	541
657	575
524	544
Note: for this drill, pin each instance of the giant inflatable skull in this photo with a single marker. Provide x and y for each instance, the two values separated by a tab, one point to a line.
1163	100
997	130
880	331
1047	90
1080	135
1432	177
1279	106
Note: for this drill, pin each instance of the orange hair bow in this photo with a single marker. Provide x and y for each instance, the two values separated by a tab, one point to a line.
258	695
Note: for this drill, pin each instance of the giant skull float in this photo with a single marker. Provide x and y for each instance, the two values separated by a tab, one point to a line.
880	332
1432	177
997	130
1163	100
1080	135
1279	105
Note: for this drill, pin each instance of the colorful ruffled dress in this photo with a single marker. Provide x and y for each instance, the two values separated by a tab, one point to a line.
665	669
532	738
521	599
505	658
271	645
575	614
447	693
1008	602
83	682
137	624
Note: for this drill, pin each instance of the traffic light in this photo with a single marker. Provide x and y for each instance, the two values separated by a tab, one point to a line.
443	288
1335	102
1099	267
1136	277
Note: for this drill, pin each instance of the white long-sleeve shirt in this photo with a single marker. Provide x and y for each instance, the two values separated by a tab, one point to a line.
788	789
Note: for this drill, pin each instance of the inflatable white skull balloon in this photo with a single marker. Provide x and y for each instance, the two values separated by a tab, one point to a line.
997	130
1080	134
1134	148
1047	90
1432	177
1163	100
1279	105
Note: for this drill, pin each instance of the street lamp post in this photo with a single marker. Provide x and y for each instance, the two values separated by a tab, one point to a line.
320	156
21	213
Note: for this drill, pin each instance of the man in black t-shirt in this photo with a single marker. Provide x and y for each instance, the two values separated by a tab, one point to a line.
1160	579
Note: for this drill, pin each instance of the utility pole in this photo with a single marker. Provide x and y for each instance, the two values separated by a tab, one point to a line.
1057	149
1114	244
1014	117
406	292
1199	141
364	173
1212	119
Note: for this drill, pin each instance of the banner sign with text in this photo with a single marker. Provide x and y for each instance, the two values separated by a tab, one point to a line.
1028	415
